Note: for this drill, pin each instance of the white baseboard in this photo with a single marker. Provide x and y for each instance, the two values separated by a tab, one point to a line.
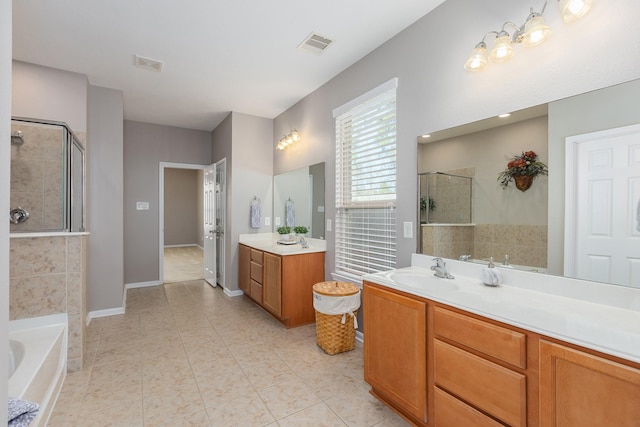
236	293
186	245
360	336
104	313
142	284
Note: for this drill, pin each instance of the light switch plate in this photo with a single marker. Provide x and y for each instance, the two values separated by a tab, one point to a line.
408	229
277	220
142	206
267	220
328	225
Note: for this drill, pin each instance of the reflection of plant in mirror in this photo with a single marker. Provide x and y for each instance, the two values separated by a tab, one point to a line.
300	229
283	230
423	204
524	165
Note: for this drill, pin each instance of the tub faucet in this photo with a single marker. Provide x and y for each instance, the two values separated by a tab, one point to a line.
464	257
440	269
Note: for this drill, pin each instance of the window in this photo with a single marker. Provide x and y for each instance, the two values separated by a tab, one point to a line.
366	183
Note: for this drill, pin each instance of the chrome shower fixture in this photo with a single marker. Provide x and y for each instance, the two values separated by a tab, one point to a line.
17	138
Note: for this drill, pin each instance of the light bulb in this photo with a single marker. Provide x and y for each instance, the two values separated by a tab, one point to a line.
574	9
502	50
478	59
535	30
295	135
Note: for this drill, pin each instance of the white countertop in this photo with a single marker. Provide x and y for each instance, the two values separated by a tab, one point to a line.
268	242
598	316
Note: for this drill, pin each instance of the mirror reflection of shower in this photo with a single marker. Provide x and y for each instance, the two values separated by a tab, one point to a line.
445	197
17	138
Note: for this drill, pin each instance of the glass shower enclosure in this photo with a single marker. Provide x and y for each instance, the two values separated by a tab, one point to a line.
47	177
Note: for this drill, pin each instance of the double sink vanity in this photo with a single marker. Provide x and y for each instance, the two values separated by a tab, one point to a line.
538	350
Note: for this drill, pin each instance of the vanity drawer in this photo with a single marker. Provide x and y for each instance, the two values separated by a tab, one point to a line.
492	340
451	412
489	387
256	291
256	272
256	256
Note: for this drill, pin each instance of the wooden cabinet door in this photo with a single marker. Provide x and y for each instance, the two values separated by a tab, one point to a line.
395	349
244	269
272	285
582	390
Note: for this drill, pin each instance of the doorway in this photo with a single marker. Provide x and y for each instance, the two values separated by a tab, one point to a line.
189	255
603	178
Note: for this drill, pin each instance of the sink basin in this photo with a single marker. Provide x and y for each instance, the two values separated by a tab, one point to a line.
422	282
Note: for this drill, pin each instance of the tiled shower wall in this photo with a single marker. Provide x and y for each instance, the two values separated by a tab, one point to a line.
525	244
37	176
48	276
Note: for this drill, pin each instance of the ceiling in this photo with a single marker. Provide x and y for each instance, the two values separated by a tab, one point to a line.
219	55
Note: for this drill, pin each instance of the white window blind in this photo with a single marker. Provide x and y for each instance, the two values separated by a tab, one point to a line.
365	224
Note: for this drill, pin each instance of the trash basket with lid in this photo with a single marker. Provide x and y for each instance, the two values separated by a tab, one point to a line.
336	305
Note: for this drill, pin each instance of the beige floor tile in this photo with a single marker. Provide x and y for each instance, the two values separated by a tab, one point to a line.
288	397
319	415
247	410
218	388
186	346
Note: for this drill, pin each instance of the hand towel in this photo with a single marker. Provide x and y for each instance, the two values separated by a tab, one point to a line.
289	214
21	412
256	220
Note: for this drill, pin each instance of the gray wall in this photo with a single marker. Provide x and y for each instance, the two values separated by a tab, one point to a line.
252	175
487	151
181	207
5	156
145	146
435	92
105	278
602	109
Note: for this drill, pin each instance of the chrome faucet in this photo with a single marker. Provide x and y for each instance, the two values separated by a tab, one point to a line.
505	262
440	269
464	257
303	242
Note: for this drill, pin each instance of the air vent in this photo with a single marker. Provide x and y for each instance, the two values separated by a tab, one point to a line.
315	43
148	64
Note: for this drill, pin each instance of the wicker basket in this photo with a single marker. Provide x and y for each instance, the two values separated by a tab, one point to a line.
332	335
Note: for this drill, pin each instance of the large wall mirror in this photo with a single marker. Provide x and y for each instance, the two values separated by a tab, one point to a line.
525	229
298	199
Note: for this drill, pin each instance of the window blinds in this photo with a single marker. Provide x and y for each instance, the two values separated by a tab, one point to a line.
366	183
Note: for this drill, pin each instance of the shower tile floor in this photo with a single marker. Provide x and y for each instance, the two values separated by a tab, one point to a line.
185	354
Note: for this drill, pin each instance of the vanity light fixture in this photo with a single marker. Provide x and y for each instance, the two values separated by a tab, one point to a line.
533	32
287	140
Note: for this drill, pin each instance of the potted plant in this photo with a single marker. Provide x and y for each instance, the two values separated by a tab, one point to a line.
283	230
522	169
300	230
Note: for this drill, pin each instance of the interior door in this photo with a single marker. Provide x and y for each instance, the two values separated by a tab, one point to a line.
210	224
607	186
221	197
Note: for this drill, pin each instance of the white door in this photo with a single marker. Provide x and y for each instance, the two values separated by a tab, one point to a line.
221	197
210	224
607	188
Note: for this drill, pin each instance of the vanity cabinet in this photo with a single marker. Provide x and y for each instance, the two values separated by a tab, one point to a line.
281	284
395	350
582	389
437	365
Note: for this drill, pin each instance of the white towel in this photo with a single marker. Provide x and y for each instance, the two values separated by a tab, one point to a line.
21	412
256	221
289	214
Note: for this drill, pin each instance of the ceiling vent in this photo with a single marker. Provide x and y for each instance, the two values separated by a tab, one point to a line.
148	64
315	43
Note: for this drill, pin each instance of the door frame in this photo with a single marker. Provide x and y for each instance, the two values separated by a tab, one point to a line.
570	185
161	168
223	247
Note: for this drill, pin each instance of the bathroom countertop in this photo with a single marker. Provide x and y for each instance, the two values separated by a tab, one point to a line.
598	316
268	242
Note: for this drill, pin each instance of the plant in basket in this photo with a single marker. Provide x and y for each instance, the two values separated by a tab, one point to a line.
522	169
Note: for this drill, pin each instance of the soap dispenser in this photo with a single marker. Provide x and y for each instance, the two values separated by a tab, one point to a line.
491	276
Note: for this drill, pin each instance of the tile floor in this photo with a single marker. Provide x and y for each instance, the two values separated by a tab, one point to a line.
185	354
183	263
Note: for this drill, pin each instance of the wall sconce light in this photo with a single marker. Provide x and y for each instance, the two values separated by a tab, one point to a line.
532	33
287	140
